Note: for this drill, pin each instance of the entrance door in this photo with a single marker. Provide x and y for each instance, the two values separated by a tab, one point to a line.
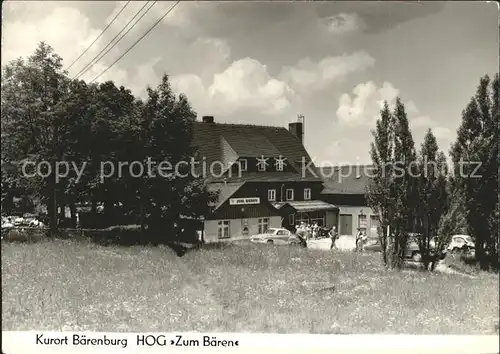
244	227
345	221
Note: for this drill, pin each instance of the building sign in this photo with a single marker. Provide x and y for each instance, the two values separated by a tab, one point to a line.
244	201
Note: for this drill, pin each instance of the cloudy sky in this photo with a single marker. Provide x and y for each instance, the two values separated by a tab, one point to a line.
266	62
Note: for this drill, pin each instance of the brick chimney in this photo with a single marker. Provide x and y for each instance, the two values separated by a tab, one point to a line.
296	129
208	119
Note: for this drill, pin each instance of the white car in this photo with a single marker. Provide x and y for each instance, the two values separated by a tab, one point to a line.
274	236
7	224
18	221
7	221
461	243
36	223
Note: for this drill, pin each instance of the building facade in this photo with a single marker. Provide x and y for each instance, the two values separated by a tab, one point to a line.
346	186
264	177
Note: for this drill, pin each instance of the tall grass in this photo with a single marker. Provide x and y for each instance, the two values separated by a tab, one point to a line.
70	285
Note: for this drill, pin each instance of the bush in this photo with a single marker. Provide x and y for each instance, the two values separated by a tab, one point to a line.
24	235
123	235
120	235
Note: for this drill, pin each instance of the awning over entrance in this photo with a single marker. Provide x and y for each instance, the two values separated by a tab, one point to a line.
307	205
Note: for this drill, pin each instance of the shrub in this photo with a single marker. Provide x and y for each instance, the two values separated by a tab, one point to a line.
123	235
25	235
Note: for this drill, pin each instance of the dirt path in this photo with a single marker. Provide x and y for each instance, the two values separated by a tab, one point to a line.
346	243
441	267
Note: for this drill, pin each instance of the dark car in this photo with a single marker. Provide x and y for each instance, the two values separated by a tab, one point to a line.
412	250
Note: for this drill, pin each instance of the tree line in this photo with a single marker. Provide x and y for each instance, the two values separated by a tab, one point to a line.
431	198
48	117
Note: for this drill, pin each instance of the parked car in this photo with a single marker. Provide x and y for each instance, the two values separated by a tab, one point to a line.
462	243
412	249
275	236
27	220
7	222
18	221
36	223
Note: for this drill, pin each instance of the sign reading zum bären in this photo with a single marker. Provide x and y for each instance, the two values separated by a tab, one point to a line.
243	201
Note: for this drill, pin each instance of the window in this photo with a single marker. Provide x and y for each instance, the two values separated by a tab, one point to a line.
263	225
283	233
261	166
223	229
291	219
374	222
243	165
362	221
271	195
289	194
302	218
307	194
318	220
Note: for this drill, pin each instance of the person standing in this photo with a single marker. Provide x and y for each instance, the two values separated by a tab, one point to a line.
358	238
302	229
308	231
301	234
333	236
315	231
363	239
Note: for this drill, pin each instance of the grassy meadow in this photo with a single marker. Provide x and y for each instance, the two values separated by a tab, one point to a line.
69	285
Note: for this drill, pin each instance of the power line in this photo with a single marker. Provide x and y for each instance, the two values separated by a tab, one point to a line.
133	45
99	36
99	56
106	49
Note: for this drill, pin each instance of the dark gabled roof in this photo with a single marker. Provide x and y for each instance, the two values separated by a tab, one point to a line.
226	190
217	141
247	144
352	179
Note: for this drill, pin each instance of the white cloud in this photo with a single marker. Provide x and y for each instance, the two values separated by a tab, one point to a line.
145	73
192	86
66	29
69	31
419	126
443	133
244	85
421	122
365	104
362	108
342	23
308	75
